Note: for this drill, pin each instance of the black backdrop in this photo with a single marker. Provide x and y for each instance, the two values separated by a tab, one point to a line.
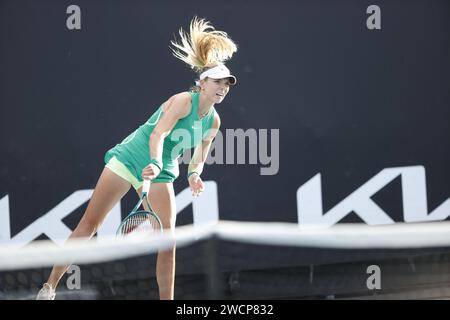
348	101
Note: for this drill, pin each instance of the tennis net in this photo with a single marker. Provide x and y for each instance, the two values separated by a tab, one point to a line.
245	260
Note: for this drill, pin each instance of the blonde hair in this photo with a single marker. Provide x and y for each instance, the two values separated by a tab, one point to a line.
204	47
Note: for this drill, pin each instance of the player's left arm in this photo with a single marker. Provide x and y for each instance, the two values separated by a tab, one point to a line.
197	163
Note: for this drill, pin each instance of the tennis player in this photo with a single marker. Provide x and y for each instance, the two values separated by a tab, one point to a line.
186	120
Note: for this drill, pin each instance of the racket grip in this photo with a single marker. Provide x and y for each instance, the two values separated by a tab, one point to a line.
146	186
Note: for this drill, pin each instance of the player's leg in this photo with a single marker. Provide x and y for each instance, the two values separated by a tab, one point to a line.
162	200
109	190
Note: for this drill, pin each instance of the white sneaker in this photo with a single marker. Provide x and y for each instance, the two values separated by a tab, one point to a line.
46	293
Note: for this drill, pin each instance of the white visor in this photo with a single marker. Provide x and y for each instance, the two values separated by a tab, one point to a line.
219	72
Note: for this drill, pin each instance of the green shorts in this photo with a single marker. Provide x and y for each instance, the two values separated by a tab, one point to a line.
166	176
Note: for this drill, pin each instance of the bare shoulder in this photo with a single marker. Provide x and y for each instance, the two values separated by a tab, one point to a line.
180	103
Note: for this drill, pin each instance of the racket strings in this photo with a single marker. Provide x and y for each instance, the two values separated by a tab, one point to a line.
140	222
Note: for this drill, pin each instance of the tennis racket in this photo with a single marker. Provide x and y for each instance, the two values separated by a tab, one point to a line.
141	221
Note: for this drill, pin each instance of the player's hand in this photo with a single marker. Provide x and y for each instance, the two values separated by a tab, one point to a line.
150	172
196	184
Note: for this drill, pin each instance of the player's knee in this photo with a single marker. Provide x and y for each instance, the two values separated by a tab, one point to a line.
168	226
168	222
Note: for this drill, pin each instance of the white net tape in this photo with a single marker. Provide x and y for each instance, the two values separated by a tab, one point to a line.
343	236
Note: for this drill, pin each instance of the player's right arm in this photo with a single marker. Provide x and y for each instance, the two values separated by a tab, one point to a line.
177	107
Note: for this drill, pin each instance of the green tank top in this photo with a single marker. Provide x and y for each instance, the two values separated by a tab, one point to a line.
188	132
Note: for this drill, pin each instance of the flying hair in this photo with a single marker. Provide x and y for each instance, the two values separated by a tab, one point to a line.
204	47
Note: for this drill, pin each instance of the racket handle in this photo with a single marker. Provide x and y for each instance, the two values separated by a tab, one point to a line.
146	187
